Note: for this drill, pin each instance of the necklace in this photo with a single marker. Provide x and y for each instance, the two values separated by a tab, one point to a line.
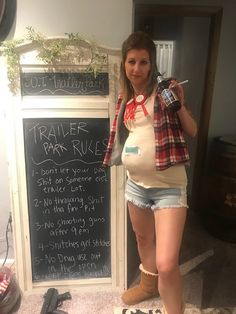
137	93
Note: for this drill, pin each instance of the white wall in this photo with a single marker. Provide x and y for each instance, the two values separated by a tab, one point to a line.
109	21
4	187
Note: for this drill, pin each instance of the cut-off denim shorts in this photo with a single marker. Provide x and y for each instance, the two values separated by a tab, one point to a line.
155	198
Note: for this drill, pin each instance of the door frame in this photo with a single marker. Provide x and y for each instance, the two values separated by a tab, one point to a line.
215	14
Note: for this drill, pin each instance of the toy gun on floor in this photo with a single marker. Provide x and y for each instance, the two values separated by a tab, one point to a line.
53	300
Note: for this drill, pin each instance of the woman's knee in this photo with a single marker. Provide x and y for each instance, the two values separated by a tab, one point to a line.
167	266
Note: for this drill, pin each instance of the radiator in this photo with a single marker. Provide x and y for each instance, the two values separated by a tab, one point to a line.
165	51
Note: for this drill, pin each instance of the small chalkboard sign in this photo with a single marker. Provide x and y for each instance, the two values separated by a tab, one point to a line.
50	84
68	197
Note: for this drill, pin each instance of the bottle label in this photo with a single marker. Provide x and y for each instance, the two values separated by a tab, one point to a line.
168	96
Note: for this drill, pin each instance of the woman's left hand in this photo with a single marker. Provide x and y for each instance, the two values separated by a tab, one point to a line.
178	90
188	123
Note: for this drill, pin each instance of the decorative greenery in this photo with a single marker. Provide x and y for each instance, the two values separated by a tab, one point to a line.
10	52
52	52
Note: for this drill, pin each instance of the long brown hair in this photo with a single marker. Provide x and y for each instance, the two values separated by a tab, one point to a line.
138	40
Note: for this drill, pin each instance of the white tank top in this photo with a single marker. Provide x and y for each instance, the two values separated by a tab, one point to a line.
138	155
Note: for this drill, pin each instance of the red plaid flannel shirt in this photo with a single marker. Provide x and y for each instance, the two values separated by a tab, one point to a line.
170	144
4	280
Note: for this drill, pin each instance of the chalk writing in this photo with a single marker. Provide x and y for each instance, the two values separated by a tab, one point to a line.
64	84
69	198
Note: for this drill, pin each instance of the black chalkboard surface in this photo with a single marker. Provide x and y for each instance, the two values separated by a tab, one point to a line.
68	197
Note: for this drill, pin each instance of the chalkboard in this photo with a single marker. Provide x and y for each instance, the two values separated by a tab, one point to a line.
68	195
50	84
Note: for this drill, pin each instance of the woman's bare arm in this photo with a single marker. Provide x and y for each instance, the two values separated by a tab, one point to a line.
188	123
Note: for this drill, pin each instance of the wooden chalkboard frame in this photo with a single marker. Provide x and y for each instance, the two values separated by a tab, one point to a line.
117	221
79	106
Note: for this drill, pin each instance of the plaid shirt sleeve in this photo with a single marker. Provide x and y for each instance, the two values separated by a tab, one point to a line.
107	158
171	147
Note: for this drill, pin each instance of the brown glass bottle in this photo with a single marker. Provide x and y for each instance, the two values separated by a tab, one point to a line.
169	97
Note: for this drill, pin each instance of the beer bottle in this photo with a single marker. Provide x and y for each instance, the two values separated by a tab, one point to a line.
169	97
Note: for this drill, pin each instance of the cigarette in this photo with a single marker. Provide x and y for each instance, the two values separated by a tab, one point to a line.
180	83
183	82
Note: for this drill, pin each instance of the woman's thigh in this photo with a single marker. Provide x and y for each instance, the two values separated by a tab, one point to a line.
169	226
142	220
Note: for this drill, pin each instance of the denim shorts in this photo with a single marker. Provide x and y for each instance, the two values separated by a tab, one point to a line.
155	198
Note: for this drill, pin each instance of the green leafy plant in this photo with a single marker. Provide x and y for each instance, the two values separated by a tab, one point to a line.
13	64
72	49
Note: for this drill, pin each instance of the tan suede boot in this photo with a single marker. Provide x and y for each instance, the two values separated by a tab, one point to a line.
146	289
